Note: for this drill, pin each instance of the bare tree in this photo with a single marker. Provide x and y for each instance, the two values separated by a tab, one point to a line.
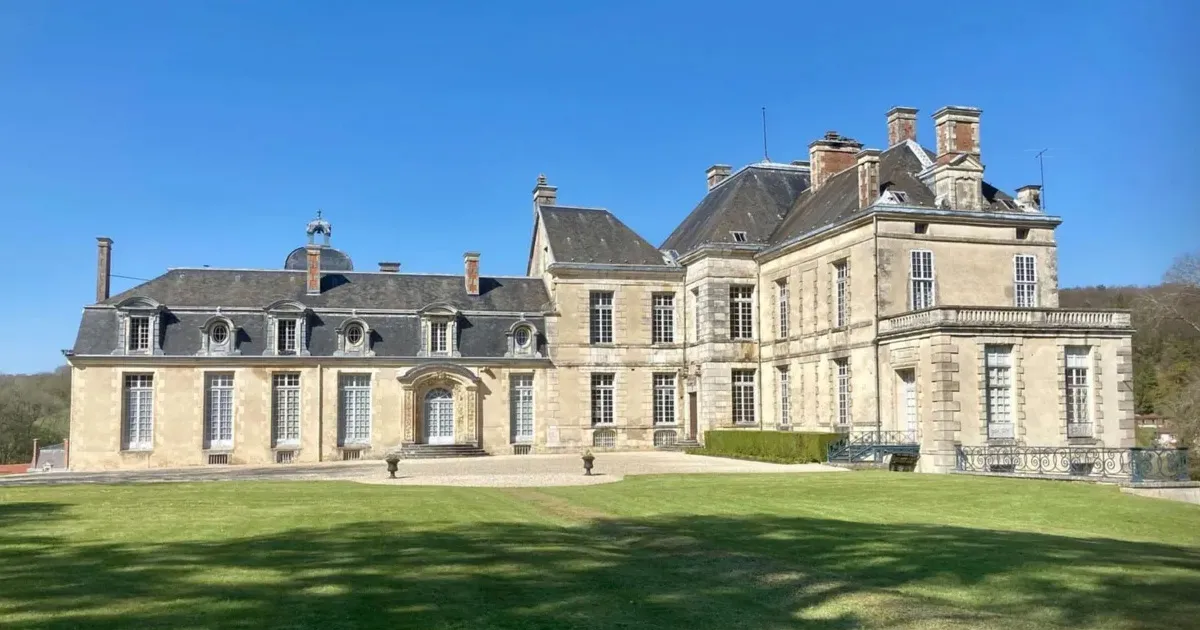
1179	299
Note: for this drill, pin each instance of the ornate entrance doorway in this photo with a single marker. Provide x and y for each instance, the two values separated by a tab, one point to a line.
439	417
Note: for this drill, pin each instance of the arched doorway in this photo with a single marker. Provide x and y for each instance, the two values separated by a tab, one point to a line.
439	417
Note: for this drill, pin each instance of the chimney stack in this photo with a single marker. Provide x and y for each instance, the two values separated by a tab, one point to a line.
471	276
313	269
544	194
868	177
1029	198
389	267
957	130
901	125
829	156
716	174
103	267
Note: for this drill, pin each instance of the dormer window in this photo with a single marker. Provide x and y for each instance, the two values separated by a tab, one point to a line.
287	327
354	338
140	324
522	340
439	331
218	337
739	237
522	337
219	334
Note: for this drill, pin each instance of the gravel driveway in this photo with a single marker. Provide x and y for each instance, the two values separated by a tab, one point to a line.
496	471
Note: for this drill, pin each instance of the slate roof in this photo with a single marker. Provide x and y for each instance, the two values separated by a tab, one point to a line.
753	200
595	236
358	290
331	260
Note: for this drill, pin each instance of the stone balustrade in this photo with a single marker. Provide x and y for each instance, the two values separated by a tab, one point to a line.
999	317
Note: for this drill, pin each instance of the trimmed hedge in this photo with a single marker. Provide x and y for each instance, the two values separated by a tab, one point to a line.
771	446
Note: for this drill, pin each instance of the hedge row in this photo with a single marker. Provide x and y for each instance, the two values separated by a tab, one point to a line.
772	446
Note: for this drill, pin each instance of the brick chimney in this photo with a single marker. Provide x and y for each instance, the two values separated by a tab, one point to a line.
313	269
957	130
716	174
471	272
902	125
868	177
389	267
1029	198
544	194
831	155
103	267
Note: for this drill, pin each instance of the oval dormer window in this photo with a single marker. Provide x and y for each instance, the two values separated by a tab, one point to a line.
354	335
522	336
219	334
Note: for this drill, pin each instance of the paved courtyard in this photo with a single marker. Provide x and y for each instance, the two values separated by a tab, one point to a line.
498	471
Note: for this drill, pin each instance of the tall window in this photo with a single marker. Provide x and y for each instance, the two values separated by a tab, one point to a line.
602	399
998	362
843	391
1079	418
602	316
285	423
354	410
139	334
782	304
841	310
664	399
743	396
285	336
785	395
521	395
1025	280
696	313
218	412
741	312
663	326
438	333
139	411
921	277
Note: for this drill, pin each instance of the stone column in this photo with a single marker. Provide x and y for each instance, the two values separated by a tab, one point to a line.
946	407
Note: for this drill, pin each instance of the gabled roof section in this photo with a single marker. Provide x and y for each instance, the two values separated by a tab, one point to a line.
595	236
251	288
753	200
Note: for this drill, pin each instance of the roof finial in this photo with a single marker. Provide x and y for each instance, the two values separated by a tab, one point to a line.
319	226
541	179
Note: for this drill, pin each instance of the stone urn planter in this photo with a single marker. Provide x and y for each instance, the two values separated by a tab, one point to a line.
588	458
393	462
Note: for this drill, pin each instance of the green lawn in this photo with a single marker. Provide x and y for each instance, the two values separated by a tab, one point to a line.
859	550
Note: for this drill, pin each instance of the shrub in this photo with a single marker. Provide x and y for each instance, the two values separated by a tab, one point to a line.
773	446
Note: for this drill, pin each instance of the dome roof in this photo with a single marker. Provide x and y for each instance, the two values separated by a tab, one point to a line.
331	260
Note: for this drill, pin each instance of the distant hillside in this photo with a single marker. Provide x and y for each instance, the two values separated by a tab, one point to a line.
33	406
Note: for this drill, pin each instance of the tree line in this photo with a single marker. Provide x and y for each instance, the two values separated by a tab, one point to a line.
33	406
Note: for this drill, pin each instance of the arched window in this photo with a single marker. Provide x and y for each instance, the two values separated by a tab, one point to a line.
439	416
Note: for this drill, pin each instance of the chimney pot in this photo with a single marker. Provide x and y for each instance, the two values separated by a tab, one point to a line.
103	268
389	267
901	125
716	174
471	272
831	155
867	161
957	130
313	269
543	193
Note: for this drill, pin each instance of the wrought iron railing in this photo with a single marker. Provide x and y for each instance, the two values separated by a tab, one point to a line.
1134	464
857	446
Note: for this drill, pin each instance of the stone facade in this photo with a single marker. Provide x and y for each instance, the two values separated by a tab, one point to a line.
861	350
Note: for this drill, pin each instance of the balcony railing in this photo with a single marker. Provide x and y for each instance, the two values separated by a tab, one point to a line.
1133	464
973	317
1079	429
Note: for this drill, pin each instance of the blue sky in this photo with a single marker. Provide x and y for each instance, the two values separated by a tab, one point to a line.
210	132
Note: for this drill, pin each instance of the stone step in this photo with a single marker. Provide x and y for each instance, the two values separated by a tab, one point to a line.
438	451
680	445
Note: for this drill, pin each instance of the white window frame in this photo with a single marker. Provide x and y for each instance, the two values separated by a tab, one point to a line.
219	410
521	408
842	376
439	337
662	327
603	398
921	280
286	409
841	307
137	418
354	409
998	391
743	395
282	337
784	383
741	312
600	320
664	399
1078	386
1025	281
782	305
138	340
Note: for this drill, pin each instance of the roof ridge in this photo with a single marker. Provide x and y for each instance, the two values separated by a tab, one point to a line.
409	274
588	208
